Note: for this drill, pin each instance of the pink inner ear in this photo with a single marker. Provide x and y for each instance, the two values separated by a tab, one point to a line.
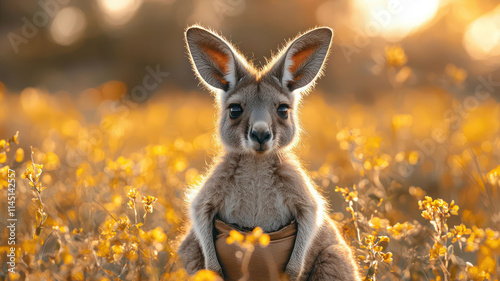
220	59
301	57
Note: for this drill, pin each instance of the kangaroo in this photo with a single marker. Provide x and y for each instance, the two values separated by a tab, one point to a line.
258	181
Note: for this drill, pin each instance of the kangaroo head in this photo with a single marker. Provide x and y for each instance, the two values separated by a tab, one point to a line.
258	107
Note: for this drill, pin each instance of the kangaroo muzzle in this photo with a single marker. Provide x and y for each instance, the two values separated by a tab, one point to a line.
260	136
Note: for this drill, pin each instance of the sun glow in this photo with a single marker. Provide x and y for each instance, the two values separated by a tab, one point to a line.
394	19
482	38
118	12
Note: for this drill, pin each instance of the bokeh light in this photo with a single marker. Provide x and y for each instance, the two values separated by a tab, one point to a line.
118	12
482	37
394	20
68	26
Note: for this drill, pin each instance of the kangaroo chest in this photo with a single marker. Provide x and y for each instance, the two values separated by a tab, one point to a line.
255	199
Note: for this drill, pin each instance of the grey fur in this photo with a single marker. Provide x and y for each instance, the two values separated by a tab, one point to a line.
262	184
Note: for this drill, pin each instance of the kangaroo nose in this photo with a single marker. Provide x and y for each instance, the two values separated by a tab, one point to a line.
260	136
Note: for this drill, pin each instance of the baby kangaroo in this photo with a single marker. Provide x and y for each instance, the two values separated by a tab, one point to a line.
258	180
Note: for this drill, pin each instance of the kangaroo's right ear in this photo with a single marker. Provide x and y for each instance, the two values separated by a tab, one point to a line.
213	59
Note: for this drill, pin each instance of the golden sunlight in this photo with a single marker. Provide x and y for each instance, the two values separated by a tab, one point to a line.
393	19
120	119
482	37
118	12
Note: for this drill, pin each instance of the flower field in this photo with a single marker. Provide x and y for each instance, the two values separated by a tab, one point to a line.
413	178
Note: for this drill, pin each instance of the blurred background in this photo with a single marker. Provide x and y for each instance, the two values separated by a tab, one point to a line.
104	93
70	45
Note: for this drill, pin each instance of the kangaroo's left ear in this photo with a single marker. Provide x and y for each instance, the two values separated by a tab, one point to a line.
303	59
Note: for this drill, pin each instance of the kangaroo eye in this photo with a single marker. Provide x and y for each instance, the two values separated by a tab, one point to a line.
235	111
283	110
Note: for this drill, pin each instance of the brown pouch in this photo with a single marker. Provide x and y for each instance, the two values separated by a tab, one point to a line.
266	263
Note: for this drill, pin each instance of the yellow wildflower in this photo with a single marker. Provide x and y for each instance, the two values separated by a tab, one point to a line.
148	202
206	275
494	176
437	251
19	155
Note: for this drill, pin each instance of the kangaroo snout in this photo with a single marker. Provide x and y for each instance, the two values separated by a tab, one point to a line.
260	135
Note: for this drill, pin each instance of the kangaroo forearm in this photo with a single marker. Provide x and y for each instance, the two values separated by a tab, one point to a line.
307	229
203	226
190	253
